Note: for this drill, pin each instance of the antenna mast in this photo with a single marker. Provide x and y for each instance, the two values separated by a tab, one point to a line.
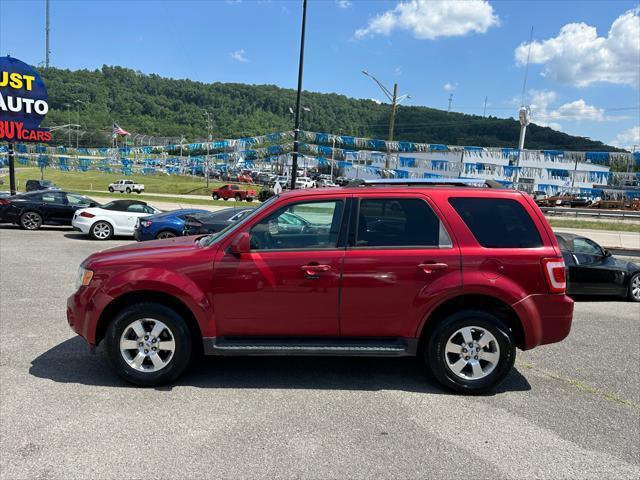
46	35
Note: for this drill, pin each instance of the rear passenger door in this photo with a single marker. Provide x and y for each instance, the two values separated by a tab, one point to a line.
400	259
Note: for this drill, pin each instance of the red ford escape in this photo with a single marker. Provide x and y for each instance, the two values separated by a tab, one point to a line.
456	274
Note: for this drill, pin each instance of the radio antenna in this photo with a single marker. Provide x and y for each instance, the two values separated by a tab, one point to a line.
526	68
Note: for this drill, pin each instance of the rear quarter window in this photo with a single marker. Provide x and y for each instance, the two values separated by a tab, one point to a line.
497	222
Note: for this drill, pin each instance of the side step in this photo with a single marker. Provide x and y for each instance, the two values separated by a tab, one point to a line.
311	346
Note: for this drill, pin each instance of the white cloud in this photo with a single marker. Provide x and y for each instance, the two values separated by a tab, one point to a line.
397	70
628	138
375	100
450	87
430	19
239	55
544	114
579	57
343	3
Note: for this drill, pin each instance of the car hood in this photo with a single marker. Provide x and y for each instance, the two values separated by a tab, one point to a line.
154	251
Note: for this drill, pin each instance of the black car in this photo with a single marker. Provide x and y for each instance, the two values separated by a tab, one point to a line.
31	210
592	270
34	185
212	222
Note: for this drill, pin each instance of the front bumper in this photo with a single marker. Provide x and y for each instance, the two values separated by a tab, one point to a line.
548	318
84	307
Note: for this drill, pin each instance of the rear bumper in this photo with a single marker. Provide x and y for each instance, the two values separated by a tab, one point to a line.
545	318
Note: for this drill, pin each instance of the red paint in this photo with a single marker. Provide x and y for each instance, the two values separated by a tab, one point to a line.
342	291
232	191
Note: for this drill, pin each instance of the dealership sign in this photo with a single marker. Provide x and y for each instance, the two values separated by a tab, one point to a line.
23	103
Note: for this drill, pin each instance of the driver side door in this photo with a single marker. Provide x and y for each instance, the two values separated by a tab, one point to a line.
288	284
591	271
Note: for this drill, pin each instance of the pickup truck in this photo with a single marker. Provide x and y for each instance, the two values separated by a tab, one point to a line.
127	186
228	191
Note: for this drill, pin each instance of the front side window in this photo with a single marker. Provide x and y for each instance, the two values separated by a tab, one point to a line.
308	226
399	222
53	197
77	200
586	246
497	222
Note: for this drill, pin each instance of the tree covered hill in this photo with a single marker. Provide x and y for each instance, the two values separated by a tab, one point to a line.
163	107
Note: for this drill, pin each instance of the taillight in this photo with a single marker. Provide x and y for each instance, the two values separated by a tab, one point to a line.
556	274
4	202
87	215
145	223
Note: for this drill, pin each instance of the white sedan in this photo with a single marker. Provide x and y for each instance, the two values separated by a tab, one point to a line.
114	218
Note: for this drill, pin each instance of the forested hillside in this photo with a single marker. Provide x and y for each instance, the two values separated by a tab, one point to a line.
153	105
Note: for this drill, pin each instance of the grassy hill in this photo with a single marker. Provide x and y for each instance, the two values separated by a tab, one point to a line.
153	105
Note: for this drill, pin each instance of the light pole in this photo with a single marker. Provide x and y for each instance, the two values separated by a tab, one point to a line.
78	102
69	114
523	117
292	112
209	138
296	130
395	101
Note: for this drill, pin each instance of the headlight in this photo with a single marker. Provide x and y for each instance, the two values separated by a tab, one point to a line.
84	277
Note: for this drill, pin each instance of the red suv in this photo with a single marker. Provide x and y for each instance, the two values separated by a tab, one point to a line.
456	274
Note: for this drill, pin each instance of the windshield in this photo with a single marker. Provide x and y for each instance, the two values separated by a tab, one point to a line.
214	237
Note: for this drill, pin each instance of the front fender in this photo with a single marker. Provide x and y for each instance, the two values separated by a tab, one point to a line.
167	282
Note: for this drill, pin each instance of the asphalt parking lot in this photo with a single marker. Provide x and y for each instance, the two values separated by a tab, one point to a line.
570	410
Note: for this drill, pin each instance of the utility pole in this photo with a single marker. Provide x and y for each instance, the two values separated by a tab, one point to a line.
12	169
395	101
450	100
206	161
484	111
296	130
46	36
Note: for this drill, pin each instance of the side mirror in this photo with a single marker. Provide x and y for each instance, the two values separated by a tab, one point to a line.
93	204
241	244
607	253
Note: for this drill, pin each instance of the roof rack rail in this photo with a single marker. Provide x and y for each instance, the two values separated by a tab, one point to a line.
452	182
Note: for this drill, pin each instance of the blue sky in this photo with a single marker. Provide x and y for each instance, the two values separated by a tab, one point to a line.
583	76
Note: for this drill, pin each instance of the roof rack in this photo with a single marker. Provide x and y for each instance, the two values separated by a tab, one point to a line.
451	182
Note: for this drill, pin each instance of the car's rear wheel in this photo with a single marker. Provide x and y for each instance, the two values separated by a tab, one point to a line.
31	220
165	234
470	351
101	230
216	196
128	190
149	344
634	288
111	189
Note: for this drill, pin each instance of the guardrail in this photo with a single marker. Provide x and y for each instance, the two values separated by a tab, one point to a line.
591	212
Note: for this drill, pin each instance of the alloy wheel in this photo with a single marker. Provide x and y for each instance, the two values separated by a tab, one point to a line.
31	221
101	231
472	353
635	287
166	235
147	345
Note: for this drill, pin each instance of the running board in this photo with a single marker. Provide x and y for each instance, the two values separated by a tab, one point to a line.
311	346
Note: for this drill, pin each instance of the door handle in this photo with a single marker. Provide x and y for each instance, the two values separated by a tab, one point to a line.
314	270
430	267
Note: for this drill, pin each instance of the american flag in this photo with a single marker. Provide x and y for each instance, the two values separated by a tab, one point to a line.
118	130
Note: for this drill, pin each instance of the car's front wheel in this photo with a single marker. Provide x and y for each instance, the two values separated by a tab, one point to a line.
470	351
216	196
149	344
101	230
111	189
165	234
634	288
128	190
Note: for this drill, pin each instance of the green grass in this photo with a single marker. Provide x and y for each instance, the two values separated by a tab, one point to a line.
93	180
594	225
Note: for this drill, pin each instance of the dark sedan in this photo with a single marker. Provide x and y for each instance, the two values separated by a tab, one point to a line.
46	207
212	222
592	270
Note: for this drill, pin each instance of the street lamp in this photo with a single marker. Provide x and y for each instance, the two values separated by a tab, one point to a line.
78	102
296	130
395	101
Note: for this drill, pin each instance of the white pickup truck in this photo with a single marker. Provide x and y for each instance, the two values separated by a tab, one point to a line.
127	186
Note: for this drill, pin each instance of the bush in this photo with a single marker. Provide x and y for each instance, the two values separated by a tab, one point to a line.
265	194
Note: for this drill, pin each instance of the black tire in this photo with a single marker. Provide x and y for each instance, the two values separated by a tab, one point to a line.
249	199
434	352
101	230
128	190
216	196
111	189
166	234
31	220
631	296
178	330
238	197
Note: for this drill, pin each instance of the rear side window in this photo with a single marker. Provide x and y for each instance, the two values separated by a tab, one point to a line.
498	222
399	222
